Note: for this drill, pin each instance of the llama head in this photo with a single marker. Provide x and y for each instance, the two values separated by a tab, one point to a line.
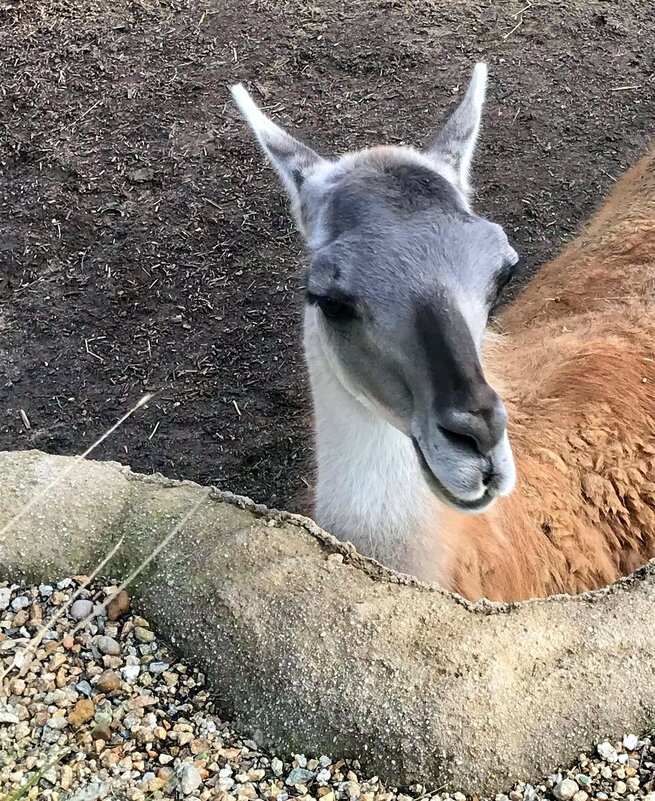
401	277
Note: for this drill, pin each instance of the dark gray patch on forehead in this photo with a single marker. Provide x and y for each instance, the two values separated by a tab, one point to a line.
409	187
373	192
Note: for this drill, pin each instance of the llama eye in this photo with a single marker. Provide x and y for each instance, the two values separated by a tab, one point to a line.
503	278
331	308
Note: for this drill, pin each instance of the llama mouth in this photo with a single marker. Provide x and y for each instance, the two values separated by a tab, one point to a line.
444	494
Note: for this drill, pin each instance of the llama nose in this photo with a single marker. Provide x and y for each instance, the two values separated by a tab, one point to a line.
480	428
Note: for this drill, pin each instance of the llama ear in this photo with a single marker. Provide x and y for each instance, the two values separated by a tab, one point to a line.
292	159
455	142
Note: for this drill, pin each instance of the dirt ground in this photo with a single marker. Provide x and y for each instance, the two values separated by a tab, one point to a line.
145	246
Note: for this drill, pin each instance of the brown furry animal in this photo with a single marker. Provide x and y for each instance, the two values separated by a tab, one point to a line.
577	361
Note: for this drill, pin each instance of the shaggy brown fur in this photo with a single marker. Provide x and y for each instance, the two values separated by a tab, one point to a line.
577	369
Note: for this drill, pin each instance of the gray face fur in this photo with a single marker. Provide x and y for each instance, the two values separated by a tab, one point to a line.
401	278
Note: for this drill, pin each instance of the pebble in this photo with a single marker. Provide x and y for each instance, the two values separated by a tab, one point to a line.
143	634
109	681
84	687
118	606
565	790
82	712
630	742
107	645
131	672
5	598
607	752
299	776
20	603
188	778
81	609
101	733
57	723
7	716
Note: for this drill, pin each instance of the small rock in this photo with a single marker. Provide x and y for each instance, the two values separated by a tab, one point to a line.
109	682
256	774
57	723
158	667
630	742
621	787
565	790
188	778
581	795
607	752
299	776
7	716
89	793
20	618
5	598
583	779
101	733
323	776
84	687
277	766
118	605
154	784
107	645
45	590
143	635
81	609
20	603
82	712
131	672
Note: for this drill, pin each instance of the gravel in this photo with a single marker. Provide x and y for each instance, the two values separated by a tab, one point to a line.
107	711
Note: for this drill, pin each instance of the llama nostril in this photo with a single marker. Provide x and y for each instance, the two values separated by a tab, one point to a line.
478	431
460	438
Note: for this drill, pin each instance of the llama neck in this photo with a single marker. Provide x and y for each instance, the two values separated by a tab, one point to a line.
369	488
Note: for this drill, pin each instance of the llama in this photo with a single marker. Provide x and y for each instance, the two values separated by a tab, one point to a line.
420	464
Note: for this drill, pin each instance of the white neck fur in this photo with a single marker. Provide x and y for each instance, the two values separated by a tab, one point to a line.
369	489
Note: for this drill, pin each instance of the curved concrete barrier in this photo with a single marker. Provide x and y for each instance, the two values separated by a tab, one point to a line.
313	648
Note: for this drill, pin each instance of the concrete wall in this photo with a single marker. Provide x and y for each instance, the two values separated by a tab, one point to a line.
315	649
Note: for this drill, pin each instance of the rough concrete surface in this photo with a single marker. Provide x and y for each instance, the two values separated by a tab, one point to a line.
310	647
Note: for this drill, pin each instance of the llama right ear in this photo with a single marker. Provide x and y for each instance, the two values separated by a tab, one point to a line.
455	143
292	159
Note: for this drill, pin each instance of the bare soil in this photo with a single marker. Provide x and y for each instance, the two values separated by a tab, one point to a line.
145	246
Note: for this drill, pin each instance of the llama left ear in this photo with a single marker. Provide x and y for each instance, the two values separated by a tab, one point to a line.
454	144
292	159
